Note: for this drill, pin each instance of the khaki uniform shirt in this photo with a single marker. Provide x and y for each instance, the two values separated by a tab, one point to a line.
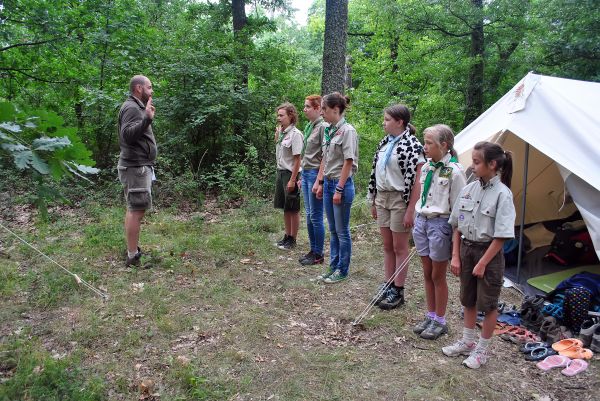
343	146
313	152
484	212
391	178
446	184
290	146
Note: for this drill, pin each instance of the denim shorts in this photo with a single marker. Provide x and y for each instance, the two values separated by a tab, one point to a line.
433	237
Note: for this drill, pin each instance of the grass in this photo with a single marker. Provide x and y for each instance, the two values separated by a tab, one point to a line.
222	315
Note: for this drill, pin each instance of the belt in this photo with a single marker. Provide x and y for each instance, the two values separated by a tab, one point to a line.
475	243
433	216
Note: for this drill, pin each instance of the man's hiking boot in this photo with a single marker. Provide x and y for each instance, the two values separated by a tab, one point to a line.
135	260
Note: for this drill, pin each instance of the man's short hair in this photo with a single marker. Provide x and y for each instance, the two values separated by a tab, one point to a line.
137	80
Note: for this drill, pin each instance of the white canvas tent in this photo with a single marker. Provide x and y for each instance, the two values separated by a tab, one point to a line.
552	126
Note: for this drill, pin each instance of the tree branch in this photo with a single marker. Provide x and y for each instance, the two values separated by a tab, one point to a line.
22	71
41	42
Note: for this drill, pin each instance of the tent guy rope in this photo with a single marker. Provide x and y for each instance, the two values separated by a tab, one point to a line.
78	279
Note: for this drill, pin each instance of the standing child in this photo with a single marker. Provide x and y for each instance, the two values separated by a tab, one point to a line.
393	192
335	183
483	217
311	162
442	179
289	142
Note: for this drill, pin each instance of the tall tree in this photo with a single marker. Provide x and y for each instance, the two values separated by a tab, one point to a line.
474	98
334	49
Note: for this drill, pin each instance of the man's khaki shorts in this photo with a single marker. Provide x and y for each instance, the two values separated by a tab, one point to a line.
480	292
137	185
390	210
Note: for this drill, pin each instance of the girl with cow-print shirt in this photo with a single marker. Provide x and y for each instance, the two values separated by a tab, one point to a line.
393	192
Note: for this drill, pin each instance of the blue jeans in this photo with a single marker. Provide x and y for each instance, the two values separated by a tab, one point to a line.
314	212
338	218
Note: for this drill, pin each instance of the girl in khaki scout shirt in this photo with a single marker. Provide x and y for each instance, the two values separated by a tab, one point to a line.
442	179
483	217
311	162
336	186
393	192
289	142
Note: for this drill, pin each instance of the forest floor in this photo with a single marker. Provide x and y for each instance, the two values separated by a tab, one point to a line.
221	314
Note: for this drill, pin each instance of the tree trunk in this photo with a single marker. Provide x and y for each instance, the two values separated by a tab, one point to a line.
475	83
334	49
241	47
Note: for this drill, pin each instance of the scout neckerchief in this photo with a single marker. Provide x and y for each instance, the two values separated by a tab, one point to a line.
308	130
392	141
332	129
283	133
429	177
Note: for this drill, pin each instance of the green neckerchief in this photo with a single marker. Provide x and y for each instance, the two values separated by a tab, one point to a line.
308	130
283	133
429	178
332	129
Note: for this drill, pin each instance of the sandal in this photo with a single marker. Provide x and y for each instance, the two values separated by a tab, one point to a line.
574	367
530	346
514	330
532	302
553	361
502	328
537	354
577	352
546	326
566	344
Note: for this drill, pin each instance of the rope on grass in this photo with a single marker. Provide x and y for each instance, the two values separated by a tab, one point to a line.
382	290
78	279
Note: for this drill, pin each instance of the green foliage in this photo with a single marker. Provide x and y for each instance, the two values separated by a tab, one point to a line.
38	143
35	375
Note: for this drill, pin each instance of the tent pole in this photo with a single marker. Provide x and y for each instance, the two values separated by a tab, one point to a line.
520	248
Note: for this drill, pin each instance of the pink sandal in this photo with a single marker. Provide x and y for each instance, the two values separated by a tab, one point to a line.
574	367
554	361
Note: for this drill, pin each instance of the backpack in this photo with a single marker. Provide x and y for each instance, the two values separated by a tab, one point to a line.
571	247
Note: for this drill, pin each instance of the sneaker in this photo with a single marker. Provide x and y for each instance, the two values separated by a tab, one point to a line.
325	274
382	293
282	241
313	259
135	260
301	258
393	299
476	358
335	277
459	348
419	327
288	245
434	330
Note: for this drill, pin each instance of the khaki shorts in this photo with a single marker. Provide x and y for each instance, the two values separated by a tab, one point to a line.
137	185
390	210
481	292
288	201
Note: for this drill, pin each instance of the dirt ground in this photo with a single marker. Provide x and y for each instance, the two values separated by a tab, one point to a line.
251	324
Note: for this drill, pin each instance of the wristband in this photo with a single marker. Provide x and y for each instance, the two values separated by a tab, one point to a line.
339	189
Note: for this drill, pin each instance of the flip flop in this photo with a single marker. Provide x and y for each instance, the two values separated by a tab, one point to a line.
528	347
508	335
526	337
540	353
574	367
502	328
553	361
577	353
566	344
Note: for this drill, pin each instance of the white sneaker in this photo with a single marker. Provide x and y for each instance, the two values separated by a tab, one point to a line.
477	358
459	348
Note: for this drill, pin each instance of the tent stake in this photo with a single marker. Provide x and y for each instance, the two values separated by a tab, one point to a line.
520	246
